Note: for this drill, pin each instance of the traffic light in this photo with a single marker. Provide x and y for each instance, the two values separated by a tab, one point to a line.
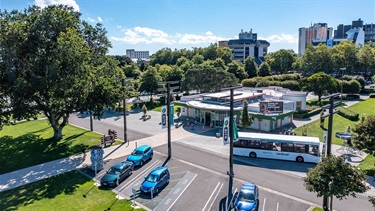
115	134
102	140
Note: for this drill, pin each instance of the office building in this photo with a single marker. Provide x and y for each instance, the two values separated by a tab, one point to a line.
246	45
319	32
132	54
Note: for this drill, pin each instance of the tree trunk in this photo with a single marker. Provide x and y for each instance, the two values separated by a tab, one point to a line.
330	205
57	128
57	133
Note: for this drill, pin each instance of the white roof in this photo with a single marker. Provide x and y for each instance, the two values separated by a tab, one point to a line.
268	136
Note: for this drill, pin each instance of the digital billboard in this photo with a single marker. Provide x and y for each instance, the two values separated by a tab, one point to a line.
271	107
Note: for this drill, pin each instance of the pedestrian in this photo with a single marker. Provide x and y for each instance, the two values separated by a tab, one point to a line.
84	152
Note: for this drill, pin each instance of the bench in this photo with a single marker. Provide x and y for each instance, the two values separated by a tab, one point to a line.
179	124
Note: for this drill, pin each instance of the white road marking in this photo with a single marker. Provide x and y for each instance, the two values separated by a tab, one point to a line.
209	199
277	207
216	196
264	204
182	192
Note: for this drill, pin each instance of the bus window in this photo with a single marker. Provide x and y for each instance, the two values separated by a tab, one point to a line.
287	147
314	150
300	148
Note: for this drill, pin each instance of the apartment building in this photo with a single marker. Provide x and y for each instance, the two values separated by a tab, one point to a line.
319	32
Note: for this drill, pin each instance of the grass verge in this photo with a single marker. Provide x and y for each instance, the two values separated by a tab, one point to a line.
69	191
28	143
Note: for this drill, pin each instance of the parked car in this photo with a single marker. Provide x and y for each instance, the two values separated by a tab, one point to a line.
247	198
141	155
117	172
156	180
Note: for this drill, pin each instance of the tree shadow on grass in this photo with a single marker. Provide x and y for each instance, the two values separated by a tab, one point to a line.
22	196
75	136
30	149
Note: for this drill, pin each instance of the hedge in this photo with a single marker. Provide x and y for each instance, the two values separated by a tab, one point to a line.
348	114
350	96
305	114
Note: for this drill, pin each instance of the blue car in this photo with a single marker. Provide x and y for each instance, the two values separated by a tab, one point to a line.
117	173
156	180
140	155
247	199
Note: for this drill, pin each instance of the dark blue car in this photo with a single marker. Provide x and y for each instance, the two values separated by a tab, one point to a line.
247	199
156	180
140	155
117	173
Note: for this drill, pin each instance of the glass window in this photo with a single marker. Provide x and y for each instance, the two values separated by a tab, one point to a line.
314	150
300	148
286	147
299	105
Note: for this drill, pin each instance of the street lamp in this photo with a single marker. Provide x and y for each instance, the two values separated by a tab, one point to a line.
124	106
342	81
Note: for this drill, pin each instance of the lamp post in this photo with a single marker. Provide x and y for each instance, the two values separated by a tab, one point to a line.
330	106
231	137
342	81
168	89
124	111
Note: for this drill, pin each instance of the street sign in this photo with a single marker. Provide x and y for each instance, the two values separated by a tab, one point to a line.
324	143
171	115
163	117
226	131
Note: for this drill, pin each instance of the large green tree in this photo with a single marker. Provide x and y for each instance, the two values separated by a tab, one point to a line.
264	69
365	135
149	80
246	119
281	60
250	67
207	78
366	58
237	68
49	61
344	57
335	177
320	83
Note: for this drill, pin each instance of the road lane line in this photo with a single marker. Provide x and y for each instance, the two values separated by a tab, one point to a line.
139	176
182	192
277	207
213	201
264	204
181	172
211	196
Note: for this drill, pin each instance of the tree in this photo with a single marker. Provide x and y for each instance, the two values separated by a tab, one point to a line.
246	119
197	59
321	83
344	57
366	57
365	135
251	67
237	69
334	177
207	78
264	69
224	53
149	80
281	60
49	59
131	71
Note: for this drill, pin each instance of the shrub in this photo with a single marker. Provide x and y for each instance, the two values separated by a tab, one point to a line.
292	85
249	82
289	77
350	96
348	114
305	114
263	83
274	83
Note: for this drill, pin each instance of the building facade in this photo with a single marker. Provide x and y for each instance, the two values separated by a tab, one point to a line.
319	32
368	30
133	54
271	108
246	45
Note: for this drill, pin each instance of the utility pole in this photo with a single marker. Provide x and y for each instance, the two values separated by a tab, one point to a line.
124	110
231	137
330	106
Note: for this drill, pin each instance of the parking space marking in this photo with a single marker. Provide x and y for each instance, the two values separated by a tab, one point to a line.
144	172
264	204
277	206
211	196
174	180
181	172
176	192
217	193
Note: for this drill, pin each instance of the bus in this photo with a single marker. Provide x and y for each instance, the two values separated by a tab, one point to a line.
281	147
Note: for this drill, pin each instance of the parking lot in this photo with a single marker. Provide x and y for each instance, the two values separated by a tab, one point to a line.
191	187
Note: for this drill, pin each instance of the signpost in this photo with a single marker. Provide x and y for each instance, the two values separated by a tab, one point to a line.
163	117
226	131
324	143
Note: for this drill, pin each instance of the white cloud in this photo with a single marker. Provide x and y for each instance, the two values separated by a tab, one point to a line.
91	20
44	3
100	19
148	36
119	27
283	38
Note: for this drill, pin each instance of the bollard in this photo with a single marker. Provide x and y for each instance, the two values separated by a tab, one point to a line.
203	128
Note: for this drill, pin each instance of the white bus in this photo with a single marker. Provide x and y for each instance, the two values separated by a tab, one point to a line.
282	147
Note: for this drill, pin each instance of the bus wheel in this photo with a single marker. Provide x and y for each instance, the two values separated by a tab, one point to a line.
253	154
299	159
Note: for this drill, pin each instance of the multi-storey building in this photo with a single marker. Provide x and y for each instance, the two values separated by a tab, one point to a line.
132	54
246	45
368	29
319	32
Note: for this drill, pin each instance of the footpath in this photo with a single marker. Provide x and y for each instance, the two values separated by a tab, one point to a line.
183	134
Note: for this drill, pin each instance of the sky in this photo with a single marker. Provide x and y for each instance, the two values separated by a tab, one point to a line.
151	25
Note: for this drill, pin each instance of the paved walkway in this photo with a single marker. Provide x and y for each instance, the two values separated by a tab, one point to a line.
183	134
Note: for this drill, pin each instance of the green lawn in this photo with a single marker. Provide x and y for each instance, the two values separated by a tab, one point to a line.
28	143
340	124
317	209
69	191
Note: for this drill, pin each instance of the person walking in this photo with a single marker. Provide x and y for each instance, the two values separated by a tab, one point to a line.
84	152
